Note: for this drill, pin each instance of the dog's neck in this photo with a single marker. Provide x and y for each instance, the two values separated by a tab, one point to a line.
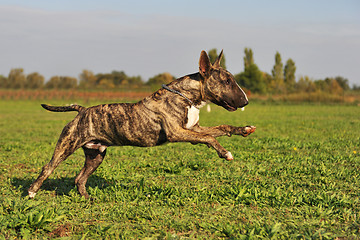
180	94
191	87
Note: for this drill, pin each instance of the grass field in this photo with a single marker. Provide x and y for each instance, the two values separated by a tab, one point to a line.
296	177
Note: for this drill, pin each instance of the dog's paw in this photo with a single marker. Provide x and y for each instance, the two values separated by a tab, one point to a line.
247	130
32	195
229	156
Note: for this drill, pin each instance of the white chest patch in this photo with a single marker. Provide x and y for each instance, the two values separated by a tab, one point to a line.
193	115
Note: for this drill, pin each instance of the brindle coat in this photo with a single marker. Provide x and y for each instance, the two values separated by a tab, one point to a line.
162	117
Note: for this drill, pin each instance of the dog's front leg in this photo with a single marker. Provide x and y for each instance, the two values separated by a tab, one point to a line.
223	130
185	135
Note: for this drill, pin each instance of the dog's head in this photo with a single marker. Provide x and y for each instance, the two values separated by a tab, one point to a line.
219	86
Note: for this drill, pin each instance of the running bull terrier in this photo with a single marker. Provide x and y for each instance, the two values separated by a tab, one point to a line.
169	115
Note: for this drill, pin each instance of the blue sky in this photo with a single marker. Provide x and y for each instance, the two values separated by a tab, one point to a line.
149	37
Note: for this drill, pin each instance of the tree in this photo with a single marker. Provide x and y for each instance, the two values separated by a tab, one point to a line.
278	85
213	55
343	82
267	80
248	59
53	83
17	78
3	82
34	80
106	83
335	87
68	82
105	80
135	81
289	74
119	77
87	79
61	82
162	78
252	77
305	84
330	85
356	87
322	85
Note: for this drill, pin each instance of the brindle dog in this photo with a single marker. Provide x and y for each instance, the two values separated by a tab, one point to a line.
169	115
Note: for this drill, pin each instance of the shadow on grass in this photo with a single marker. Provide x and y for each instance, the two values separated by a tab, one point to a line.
61	186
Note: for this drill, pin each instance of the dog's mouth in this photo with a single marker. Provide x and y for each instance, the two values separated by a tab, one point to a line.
224	104
228	107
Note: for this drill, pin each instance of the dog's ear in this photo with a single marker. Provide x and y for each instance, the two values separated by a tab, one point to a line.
204	64
218	60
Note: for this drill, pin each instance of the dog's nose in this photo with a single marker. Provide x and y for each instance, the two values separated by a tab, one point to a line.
244	102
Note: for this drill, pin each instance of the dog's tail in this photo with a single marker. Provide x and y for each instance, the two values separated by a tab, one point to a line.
73	107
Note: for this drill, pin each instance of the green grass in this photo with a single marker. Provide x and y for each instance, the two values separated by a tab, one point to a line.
296	177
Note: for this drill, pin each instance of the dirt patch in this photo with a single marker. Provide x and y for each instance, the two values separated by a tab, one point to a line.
61	231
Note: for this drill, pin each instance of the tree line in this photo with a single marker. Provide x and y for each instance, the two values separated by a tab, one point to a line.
281	80
17	79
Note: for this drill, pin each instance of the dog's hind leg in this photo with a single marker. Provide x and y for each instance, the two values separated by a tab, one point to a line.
93	158
67	144
58	156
